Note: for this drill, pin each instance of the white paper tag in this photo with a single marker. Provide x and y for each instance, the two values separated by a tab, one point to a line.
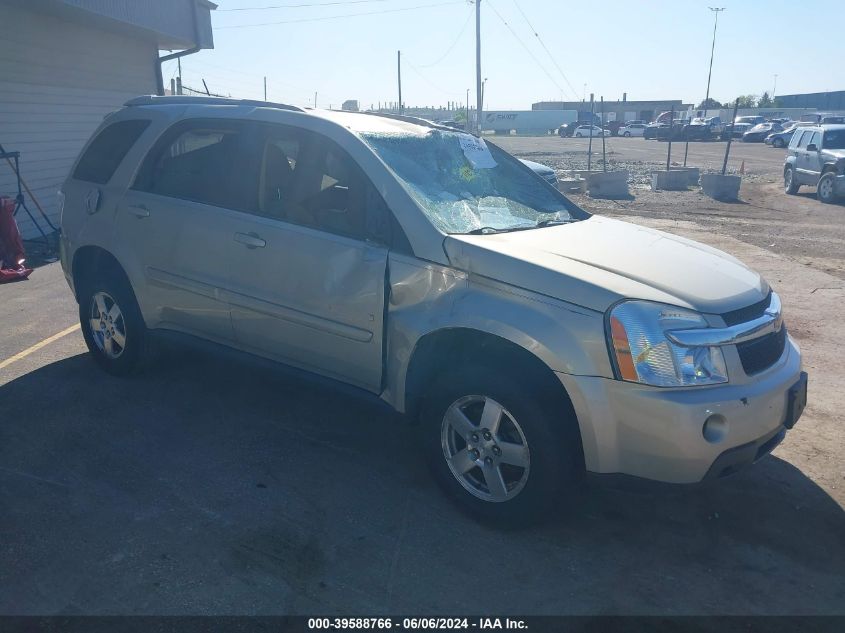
476	151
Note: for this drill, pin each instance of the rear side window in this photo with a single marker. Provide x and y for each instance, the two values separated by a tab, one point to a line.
202	162
104	154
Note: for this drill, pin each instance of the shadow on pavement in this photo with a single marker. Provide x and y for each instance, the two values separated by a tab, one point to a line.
207	486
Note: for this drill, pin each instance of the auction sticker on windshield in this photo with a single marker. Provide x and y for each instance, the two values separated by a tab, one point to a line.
477	152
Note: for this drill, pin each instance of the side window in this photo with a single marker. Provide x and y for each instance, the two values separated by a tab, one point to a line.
105	153
200	161
804	140
308	180
816	140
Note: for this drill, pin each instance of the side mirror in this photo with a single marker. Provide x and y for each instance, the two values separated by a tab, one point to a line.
812	147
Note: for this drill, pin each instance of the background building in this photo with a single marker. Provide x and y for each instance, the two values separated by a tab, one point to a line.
64	64
822	101
619	110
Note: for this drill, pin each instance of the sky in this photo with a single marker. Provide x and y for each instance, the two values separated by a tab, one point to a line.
532	50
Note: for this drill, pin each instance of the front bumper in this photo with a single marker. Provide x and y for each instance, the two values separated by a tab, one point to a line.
839	185
658	434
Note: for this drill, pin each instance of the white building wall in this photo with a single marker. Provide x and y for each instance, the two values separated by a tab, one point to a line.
57	81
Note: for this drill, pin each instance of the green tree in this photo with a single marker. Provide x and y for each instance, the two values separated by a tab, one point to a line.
710	103
765	101
744	101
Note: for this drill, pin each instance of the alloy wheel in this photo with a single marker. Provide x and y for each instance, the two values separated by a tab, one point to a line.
108	328
485	448
825	189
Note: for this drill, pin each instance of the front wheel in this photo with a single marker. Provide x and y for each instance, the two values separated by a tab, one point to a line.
579	135
790	184
494	447
112	325
826	189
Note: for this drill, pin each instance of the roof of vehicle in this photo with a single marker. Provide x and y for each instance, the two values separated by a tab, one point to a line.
359	122
824	127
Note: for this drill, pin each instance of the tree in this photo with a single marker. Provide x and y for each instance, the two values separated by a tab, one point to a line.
765	101
710	103
745	101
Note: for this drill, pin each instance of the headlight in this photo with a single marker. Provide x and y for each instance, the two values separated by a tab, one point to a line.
642	352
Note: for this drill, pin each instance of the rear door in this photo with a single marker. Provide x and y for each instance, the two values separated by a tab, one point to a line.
309	288
181	217
813	158
798	147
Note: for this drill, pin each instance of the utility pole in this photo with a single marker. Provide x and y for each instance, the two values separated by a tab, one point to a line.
775	87
715	10
477	67
399	77
265	88
315	100
592	123
467	109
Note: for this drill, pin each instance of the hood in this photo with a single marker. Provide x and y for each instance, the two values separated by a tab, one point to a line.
596	262
537	167
836	153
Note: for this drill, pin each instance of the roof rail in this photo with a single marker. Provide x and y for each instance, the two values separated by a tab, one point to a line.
412	119
199	100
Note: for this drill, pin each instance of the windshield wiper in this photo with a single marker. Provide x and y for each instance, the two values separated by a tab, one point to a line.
543	223
484	230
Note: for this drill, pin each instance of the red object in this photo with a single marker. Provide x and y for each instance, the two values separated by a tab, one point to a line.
12	255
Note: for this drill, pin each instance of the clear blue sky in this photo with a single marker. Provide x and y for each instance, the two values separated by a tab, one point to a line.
652	50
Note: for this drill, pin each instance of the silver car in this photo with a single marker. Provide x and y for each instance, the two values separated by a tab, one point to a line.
430	269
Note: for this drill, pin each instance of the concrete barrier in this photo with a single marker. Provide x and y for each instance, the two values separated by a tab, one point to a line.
693	174
721	187
572	185
672	180
608	184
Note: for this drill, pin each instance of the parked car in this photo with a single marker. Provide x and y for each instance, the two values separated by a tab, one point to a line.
632	129
544	171
676	131
782	138
431	270
636	122
759	132
750	120
736	130
704	129
590	130
650	130
822	118
816	156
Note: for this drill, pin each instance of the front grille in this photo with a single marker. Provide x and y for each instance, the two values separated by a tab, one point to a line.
761	353
748	313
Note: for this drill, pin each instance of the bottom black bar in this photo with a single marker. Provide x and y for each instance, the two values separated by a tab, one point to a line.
535	624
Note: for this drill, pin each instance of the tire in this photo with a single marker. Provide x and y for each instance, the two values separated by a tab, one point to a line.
790	185
551	454
778	142
627	134
579	135
112	325
826	188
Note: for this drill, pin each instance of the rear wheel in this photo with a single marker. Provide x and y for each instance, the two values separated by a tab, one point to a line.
112	325
778	142
578	134
826	189
626	134
494	447
790	184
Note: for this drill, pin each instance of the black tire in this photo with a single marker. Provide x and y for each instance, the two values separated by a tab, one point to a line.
826	188
578	134
553	443
627	134
137	348
778	142
790	185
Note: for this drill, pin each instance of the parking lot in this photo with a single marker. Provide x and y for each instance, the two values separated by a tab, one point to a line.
213	486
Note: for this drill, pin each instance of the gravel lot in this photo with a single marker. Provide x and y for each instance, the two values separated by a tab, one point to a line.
213	486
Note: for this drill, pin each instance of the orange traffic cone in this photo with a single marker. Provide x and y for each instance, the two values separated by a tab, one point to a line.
742	168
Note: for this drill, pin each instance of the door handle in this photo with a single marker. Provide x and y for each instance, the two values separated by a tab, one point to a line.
250	240
139	211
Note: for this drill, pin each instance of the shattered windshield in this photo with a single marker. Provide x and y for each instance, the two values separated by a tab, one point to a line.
465	185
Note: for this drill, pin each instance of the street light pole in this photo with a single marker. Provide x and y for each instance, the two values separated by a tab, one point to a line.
477	66
715	10
775	87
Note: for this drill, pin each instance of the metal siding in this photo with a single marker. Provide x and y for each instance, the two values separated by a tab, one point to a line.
57	80
172	18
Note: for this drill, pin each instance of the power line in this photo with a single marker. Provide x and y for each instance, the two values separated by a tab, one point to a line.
528	50
299	6
545	48
452	46
338	17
